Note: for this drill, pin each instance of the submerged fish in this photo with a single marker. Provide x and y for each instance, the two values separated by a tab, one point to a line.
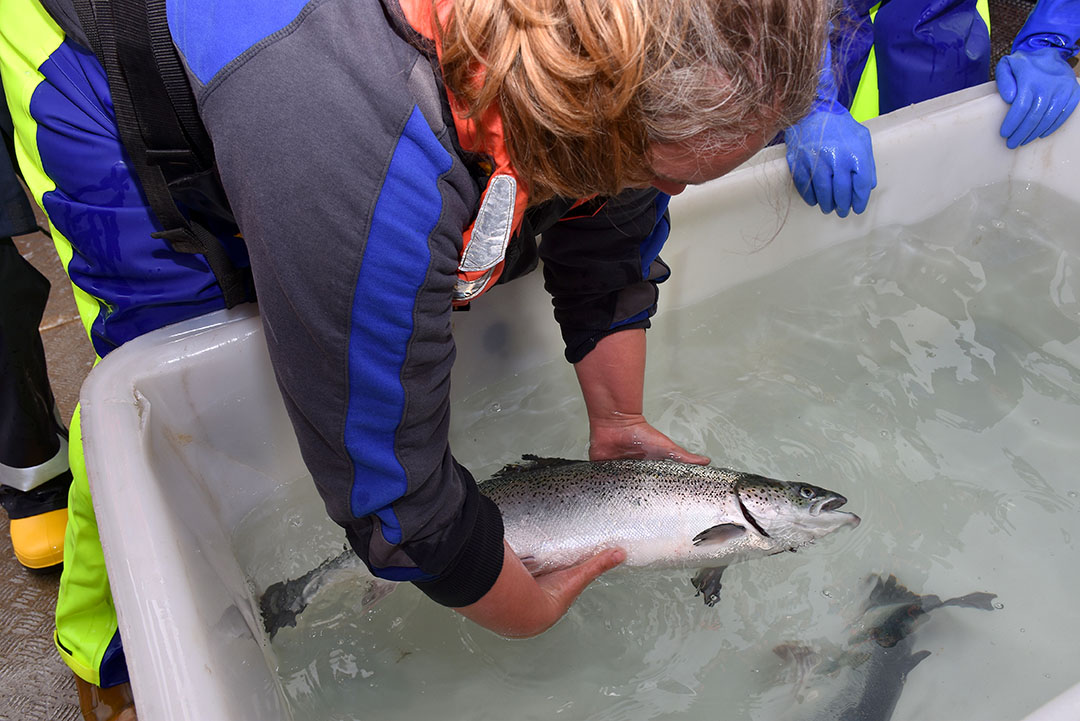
874	665
557	513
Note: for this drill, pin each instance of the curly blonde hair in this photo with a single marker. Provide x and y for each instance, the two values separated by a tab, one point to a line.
584	87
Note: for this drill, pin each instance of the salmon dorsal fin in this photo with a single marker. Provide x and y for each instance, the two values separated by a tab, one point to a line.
529	462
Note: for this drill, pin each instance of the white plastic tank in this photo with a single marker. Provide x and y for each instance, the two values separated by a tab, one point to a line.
185	432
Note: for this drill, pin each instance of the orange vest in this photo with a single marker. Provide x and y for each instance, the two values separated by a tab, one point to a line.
505	197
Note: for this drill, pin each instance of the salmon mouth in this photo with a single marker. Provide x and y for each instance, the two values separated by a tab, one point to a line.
827	505
830	506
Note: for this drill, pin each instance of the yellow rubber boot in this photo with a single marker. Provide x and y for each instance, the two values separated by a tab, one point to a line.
38	540
105	704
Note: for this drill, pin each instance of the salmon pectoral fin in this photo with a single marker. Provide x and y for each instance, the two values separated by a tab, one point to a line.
707	583
530	563
719	534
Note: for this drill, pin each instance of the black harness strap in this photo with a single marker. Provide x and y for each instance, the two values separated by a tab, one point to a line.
159	123
85	10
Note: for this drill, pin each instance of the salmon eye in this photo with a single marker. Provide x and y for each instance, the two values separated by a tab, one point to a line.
806	492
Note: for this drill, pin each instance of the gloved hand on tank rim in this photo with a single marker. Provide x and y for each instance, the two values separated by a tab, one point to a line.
1042	92
1036	78
829	153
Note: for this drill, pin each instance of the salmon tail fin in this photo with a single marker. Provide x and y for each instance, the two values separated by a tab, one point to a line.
979	599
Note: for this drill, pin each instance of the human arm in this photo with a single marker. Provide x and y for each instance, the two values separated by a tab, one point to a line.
355	234
830	155
603	270
520	605
1035	79
612	381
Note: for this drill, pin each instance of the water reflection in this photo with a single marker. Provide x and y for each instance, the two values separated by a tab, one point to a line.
929	373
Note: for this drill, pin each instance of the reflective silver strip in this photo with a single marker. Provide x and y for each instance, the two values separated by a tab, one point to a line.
27	479
465	290
493	225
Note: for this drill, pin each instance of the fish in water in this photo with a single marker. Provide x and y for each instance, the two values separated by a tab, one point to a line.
557	513
283	601
870	672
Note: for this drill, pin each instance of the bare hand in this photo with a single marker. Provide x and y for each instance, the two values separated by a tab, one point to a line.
631	436
612	379
520	606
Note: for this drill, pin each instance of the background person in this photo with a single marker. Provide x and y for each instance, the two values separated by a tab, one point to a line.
34	476
893	53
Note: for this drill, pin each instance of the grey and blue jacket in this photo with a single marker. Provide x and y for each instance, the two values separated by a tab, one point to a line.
337	153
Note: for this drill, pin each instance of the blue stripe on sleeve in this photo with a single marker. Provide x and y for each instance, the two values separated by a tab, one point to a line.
650	247
395	264
650	251
212	33
141	283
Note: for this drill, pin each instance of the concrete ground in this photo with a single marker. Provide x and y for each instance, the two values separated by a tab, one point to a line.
35	685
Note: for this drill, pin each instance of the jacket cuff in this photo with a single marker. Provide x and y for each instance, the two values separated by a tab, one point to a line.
478	564
828	91
579	345
1050	25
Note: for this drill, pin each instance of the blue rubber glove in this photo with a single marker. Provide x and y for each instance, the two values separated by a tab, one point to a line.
829	153
1036	79
831	161
1042	92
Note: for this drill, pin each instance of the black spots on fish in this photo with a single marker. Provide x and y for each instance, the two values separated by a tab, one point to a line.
768	491
759	489
530	462
547	478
